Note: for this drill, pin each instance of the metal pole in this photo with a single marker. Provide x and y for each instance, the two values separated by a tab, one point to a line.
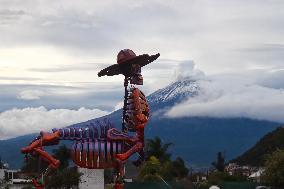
165	182
124	129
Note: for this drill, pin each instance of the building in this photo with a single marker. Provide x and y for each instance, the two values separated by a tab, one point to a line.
256	175
235	169
91	178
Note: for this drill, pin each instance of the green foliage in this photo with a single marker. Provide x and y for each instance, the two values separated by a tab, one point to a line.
151	170
160	185
159	164
154	170
179	168
1	163
65	178
63	155
218	177
220	163
167	171
34	164
239	185
108	186
155	147
274	169
267	145
203	185
109	175
174	169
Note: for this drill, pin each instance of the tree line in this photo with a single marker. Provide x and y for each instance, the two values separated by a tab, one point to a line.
158	166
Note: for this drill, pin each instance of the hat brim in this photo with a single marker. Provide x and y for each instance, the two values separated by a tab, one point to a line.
115	69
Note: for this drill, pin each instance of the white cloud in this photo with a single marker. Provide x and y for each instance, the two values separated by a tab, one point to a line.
187	70
235	95
60	40
210	32
119	106
16	122
30	95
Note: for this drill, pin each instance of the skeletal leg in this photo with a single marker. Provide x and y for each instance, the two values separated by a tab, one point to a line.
119	175
123	157
36	147
37	185
53	163
46	139
115	135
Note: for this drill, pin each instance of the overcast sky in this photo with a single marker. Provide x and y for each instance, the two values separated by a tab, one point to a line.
51	50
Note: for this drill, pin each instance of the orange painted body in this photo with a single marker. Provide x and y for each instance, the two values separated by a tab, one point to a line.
94	159
103	152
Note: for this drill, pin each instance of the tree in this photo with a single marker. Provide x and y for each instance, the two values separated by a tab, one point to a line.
218	177
63	177
150	171
63	155
34	164
109	175
179	168
155	147
1	163
274	169
220	163
174	169
159	165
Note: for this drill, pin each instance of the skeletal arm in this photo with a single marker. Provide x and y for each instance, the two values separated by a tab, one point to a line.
138	113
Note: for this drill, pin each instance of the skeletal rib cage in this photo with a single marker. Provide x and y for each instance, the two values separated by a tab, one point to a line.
130	113
92	149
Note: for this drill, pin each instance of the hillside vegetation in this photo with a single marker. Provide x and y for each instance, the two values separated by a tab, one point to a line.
266	145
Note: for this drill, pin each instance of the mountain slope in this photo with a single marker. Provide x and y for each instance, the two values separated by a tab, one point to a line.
10	150
196	139
255	156
174	93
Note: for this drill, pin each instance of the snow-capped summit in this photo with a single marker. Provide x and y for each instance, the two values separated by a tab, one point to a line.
193	137
176	92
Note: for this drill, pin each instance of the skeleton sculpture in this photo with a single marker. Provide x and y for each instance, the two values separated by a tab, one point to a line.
99	146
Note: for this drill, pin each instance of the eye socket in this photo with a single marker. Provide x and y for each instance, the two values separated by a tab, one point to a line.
136	68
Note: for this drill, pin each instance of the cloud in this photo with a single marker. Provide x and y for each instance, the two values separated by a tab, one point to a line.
57	38
63	35
16	122
19	79
5	12
8	14
199	30
119	105
68	68
30	95
91	95
249	95
187	70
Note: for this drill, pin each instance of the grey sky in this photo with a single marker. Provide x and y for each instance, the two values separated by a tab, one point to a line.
50	49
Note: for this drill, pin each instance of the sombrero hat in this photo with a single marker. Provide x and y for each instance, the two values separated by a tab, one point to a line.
125	59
